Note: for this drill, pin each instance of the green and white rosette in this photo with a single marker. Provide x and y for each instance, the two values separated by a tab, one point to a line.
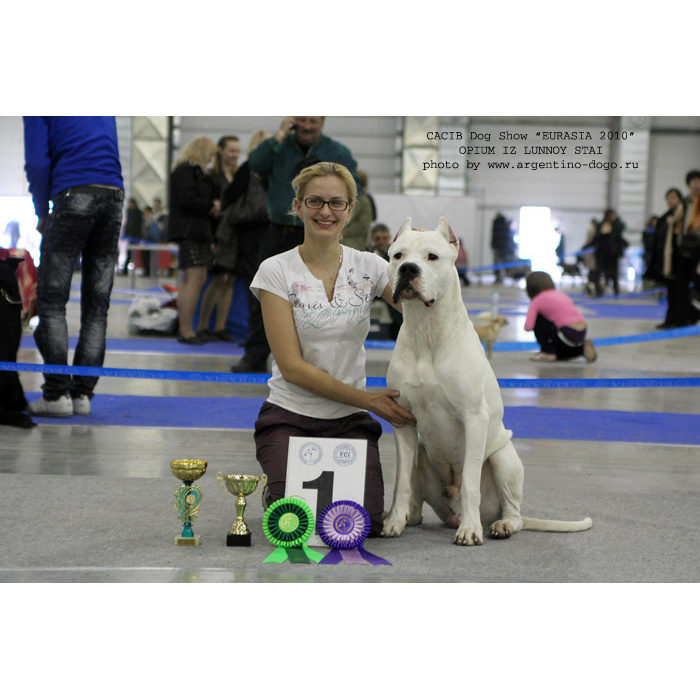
288	524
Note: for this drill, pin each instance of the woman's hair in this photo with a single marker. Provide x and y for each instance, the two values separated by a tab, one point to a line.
199	152
677	191
301	181
256	139
537	282
691	176
218	166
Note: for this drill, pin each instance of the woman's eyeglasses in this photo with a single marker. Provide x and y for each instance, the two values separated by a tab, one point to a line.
334	204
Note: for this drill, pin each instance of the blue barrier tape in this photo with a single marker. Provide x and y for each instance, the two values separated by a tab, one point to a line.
234	378
603	342
229	377
500	266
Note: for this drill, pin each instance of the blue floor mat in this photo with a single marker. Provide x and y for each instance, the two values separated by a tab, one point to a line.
525	421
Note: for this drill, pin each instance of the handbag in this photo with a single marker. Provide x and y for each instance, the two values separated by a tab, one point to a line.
251	207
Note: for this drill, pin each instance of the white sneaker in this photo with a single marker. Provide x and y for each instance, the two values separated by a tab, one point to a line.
60	408
81	405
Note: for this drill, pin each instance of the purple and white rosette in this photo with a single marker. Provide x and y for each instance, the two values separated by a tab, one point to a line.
344	526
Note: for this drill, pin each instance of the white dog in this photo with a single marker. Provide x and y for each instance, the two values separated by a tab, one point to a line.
460	458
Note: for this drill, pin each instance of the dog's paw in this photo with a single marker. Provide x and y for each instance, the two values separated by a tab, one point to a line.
500	530
469	536
394	526
503	529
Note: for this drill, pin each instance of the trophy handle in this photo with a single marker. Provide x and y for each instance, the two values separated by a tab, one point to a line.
220	479
261	484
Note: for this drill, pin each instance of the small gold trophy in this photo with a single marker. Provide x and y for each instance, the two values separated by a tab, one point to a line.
187	497
240	486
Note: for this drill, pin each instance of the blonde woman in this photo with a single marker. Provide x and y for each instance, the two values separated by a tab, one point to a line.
235	256
194	199
315	303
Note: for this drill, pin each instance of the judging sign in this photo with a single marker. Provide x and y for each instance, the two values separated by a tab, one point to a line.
324	470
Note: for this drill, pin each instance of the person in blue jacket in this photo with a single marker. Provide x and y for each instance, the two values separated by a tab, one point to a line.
298	142
73	162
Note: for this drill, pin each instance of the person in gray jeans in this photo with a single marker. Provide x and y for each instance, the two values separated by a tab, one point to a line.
73	161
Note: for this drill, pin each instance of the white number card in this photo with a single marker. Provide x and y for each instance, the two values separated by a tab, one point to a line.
324	470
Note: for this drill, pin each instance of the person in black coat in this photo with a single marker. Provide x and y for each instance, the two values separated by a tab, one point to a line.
609	244
666	245
193	201
236	255
502	243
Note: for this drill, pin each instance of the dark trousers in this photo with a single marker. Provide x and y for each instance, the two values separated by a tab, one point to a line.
11	393
609	269
84	221
681	311
277	239
551	342
275	426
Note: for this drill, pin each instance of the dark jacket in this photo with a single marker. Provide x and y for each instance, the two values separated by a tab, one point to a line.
502	235
192	195
249	234
610	246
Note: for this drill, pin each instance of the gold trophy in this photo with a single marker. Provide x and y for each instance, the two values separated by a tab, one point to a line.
240	486
187	497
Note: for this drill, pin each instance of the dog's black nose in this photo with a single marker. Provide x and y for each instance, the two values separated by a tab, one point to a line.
409	270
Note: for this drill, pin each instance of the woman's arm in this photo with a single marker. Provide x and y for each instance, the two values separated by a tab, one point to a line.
284	343
531	316
237	187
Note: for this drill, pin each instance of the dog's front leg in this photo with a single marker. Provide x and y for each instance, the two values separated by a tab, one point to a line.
470	531
406	449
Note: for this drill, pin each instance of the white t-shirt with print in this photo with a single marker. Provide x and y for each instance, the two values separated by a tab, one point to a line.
331	333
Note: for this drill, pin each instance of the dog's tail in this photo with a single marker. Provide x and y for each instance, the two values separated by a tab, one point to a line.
557	525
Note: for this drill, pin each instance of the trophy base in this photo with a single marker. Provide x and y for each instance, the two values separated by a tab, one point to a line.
188	541
238	540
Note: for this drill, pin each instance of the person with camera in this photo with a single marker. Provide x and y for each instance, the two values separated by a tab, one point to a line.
297	143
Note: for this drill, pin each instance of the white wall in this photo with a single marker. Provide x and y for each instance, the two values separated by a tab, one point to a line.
13	182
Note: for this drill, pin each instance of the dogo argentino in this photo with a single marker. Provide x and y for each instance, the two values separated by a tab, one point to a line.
459	458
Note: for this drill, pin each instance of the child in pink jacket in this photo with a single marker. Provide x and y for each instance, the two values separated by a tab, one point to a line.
559	327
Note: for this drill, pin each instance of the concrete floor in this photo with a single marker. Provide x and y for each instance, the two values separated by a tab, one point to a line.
112	486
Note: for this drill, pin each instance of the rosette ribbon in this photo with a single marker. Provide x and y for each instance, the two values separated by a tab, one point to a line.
344	526
288	523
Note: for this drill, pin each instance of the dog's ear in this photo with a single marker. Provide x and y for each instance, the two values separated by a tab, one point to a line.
446	230
405	226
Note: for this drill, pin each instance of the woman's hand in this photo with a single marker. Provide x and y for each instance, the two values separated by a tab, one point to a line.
382	404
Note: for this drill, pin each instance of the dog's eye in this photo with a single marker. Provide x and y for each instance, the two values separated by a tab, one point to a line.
397	256
432	256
